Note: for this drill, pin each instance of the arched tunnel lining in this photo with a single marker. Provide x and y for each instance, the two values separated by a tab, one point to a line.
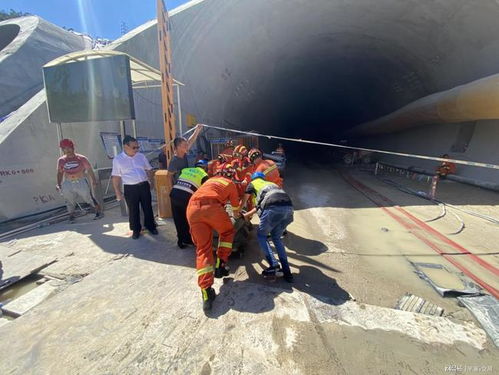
320	89
7	34
315	72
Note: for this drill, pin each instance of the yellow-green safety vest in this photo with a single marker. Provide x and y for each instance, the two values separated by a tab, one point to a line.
260	185
190	179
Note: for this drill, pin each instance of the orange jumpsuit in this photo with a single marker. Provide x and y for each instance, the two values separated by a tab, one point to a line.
269	169
205	213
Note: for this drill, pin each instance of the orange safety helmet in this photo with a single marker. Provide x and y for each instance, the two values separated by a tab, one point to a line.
228	170
240	151
253	154
222	158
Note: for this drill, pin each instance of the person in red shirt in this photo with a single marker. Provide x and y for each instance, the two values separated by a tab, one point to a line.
267	167
206	213
446	168
74	168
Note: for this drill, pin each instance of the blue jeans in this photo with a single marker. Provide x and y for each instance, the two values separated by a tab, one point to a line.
274	220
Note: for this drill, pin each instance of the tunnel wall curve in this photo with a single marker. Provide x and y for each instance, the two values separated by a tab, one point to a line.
24	53
28	141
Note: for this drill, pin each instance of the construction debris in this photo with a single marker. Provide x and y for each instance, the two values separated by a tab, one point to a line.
412	303
486	311
18	265
431	271
29	300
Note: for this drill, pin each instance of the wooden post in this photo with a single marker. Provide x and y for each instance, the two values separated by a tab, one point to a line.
122	129
134	128
164	187
59	137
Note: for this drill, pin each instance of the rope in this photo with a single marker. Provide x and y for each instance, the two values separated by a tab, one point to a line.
472	163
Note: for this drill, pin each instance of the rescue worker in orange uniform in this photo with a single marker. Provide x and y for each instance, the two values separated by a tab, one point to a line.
267	167
228	152
205	213
215	165
242	165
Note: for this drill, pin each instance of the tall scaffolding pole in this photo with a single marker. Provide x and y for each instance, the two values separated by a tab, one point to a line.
163	181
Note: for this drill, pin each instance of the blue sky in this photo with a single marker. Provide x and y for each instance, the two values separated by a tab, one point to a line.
98	18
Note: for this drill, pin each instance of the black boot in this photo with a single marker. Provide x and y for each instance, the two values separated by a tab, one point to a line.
208	298
289	278
221	269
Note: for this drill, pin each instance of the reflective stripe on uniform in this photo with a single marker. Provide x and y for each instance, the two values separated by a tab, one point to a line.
269	169
184	188
260	185
225	244
222	181
205	294
205	270
234	208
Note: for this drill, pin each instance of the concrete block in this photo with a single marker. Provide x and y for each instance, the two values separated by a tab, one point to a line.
26	302
17	265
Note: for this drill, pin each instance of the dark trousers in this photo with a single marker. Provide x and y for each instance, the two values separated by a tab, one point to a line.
135	195
179	211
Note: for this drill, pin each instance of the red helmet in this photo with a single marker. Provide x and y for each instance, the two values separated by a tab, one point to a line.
254	153
66	143
228	170
240	151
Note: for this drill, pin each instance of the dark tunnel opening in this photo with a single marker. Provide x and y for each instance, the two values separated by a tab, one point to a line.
321	97
314	71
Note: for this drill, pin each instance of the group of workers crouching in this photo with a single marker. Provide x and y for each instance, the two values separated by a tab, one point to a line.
237	178
247	184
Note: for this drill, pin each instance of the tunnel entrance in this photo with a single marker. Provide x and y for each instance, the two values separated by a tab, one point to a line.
315	71
7	34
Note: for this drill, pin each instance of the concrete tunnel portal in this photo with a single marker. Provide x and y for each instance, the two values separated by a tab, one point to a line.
316	69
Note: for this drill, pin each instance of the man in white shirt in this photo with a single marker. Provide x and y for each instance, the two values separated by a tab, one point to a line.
134	170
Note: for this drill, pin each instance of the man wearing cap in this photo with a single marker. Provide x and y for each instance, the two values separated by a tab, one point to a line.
73	168
133	168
